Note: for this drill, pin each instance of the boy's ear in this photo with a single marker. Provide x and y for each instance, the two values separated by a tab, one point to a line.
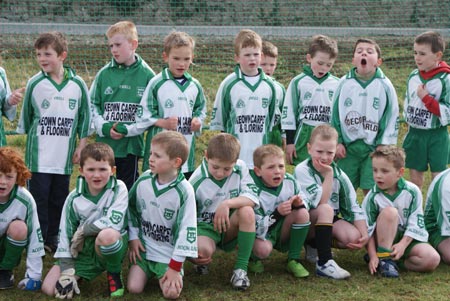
257	171
308	58
178	162
379	62
206	154
113	170
63	55
134	44
401	171
439	55
165	56
80	169
308	147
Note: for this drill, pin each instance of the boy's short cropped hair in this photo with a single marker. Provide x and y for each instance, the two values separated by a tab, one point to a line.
323	44
269	49
54	39
173	143
323	132
99	152
224	147
264	151
246	38
391	153
368	41
432	38
177	39
11	160
127	28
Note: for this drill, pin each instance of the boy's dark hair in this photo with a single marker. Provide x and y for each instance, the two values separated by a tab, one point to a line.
368	41
177	39
391	153
324	44
173	143
323	132
246	38
11	160
269	49
99	152
264	151
224	147
432	38
54	39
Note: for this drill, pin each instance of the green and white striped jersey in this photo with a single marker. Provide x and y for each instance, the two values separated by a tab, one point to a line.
407	201
5	109
246	111
210	193
437	206
366	111
414	110
343	196
163	218
106	210
52	116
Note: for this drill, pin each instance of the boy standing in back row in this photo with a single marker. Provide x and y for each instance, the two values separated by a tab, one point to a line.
246	99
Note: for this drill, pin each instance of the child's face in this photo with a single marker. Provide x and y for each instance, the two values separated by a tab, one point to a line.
365	59
321	63
179	59
268	64
96	174
219	169
49	61
160	163
7	182
425	59
386	175
272	171
122	49
249	60
322	150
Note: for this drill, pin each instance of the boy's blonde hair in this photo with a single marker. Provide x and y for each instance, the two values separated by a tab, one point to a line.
54	39
224	147
432	38
11	160
127	28
368	41
323	132
269	49
264	151
99	152
324	44
391	153
173	143
246	38
177	39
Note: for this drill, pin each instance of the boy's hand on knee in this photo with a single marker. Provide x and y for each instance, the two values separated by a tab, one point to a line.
221	218
66	285
135	248
171	284
290	153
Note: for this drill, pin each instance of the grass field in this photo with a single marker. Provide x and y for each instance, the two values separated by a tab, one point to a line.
275	283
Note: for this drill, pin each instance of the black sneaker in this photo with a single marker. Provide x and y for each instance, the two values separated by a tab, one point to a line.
6	279
115	285
388	268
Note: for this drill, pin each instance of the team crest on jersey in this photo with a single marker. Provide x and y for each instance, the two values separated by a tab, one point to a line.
39	235
207	202
116	217
234	193
406	212
420	221
330	94
191	235
376	103
308	95
240	104
191	103
348	102
45	104
168	104
140	91
72	103
139	111
265	102
312	189
213	113
168	213
108	91
334	197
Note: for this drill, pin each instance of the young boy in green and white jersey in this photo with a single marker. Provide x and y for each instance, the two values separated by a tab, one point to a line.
55	111
334	211
174	100
437	219
8	103
282	219
115	95
395	219
162	218
269	60
225	201
92	234
245	103
307	103
365	114
19	225
427	109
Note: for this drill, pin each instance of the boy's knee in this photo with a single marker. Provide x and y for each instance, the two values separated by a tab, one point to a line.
107	237
246	215
17	230
387	215
134	288
301	216
48	289
262	250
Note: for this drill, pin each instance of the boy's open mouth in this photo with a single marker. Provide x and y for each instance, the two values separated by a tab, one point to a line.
363	62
